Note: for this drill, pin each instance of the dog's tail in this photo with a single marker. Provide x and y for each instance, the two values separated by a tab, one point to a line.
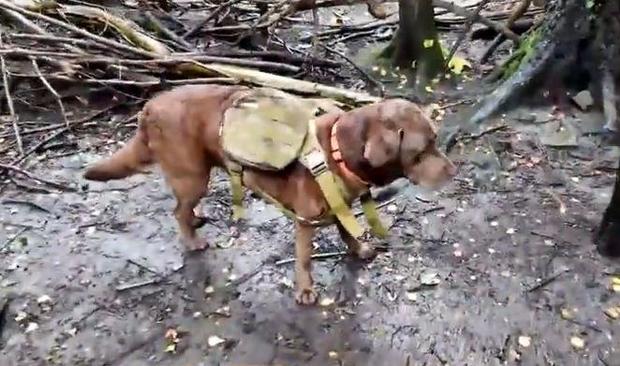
127	161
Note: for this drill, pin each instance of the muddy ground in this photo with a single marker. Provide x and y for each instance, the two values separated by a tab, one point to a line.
496	268
466	278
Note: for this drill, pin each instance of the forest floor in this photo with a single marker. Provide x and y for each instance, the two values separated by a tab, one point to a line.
496	268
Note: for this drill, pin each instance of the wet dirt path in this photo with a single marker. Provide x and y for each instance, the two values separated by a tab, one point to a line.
486	272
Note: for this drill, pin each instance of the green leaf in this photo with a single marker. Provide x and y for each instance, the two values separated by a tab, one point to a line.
428	43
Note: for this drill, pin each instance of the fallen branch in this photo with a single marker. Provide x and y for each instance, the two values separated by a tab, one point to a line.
126	28
9	101
314	256
213	14
453	8
163	30
466	29
36	178
22	53
51	90
368	77
518	12
292	85
133	50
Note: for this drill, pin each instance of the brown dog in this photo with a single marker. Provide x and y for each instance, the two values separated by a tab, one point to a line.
378	144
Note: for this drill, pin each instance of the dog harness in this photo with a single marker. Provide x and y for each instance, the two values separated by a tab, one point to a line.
267	129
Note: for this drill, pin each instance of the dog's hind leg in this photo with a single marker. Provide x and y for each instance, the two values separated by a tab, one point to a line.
188	190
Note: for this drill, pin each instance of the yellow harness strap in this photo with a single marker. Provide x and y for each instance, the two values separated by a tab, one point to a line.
313	158
235	171
369	207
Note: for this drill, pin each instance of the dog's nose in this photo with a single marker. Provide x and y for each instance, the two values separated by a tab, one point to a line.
451	169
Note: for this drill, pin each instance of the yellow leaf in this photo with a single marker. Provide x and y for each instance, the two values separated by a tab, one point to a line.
457	64
171	348
567	314
428	88
428	43
577	342
413	63
613	312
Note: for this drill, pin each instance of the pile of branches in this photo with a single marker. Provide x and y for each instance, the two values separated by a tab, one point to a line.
53	44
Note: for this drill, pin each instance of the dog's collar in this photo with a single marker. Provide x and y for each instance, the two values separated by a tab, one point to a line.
339	160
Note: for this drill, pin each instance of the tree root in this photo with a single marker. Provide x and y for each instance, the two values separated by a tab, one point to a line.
554	54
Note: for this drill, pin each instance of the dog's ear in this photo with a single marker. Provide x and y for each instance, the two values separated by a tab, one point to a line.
382	146
383	138
385	141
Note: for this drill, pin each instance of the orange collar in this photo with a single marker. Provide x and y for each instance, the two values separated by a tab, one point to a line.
344	171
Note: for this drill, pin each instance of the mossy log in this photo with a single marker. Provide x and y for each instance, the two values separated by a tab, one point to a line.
574	41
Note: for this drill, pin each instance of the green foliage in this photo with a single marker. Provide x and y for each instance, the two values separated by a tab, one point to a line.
523	54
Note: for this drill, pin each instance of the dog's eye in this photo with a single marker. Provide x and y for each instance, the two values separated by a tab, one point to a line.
417	159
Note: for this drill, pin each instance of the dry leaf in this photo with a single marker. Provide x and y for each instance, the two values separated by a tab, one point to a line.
214	341
412	296
44	299
326	301
577	342
428	43
567	314
32	326
171	348
21	316
430	279
209	290
613	312
333	355
525	341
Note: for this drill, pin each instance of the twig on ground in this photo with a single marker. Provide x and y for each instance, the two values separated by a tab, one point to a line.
546	281
10	240
160	278
369	77
466	29
40	144
32	176
27	203
51	89
9	101
483	133
142	266
458	10
314	256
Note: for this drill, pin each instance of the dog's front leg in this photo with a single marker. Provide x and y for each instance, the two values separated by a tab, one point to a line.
305	293
362	250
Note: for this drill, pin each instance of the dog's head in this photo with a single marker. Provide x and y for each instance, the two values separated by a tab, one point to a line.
399	134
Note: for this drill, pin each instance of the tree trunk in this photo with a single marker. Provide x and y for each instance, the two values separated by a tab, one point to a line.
575	47
415	45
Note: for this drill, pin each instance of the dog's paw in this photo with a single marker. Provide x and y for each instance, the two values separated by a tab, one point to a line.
366	251
306	296
192	245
